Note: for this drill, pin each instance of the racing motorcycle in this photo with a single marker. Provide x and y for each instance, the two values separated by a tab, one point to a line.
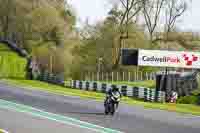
111	102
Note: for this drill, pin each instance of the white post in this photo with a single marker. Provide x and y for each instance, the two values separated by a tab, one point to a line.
129	76
154	76
150	76
112	76
137	76
146	77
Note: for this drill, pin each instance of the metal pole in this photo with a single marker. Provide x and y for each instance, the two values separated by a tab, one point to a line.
141	76
97	76
50	63
123	75
102	76
107	76
135	76
92	76
99	63
88	75
117	77
147	78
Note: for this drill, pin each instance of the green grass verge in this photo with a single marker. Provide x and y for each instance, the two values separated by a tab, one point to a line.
36	85
148	84
11	64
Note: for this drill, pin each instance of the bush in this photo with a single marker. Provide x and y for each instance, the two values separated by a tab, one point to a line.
188	100
196	92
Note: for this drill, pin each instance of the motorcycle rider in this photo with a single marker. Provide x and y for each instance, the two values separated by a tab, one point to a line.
112	91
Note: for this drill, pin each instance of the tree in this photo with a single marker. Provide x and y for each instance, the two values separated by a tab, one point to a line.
44	24
129	10
7	14
151	12
39	25
20	22
99	40
174	10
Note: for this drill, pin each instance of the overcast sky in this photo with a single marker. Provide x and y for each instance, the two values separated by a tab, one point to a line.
96	10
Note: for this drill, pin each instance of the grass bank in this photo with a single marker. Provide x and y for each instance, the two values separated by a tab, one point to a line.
36	85
11	64
148	84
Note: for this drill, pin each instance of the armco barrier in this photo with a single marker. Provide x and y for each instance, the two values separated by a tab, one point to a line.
136	92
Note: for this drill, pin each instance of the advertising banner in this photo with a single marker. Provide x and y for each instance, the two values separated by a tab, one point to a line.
161	58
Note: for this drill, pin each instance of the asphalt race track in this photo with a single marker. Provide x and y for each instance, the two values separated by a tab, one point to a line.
15	122
127	119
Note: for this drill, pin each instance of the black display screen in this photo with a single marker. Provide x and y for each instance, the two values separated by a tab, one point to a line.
129	56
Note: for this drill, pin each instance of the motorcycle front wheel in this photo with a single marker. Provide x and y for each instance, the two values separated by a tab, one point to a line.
112	109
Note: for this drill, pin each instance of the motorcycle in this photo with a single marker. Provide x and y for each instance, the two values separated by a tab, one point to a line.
110	103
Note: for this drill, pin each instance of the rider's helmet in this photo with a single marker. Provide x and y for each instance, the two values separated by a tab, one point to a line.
115	89
115	94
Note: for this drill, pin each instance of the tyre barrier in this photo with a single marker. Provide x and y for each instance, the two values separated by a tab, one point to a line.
51	78
146	94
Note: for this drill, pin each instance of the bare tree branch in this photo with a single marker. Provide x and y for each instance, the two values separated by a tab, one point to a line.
174	10
158	10
152	14
135	13
123	3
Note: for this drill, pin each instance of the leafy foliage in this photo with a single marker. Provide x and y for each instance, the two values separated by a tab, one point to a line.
100	40
188	100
